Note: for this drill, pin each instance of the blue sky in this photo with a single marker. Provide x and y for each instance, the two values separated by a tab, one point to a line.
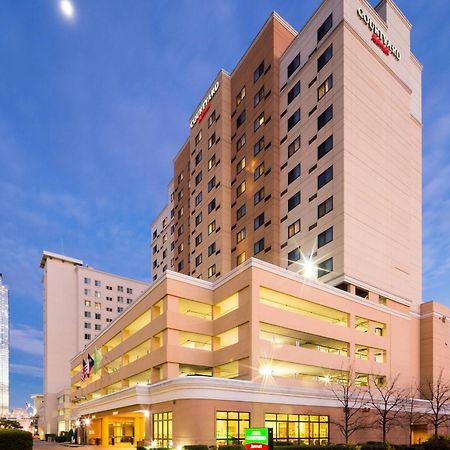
92	112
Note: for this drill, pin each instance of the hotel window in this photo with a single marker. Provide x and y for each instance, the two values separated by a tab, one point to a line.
294	119
293	65
211	271
240	142
211	118
258	221
180	194
198	158
294	201
211	227
198	198
164	254
325	267
258	122
258	72
162	429
198	178
155	264
97	283
325	237
294	255
231	426
212	249
130	300
240	96
120	299
172	246
87	336
211	206
87	292
211	183
87	325
294	146
109	299
324	57
325	117
325	207
198	219
259	96
240	236
240	165
181	247
259	146
97	327
98	305
258	246
259	171
324	87
294	173
240	119
180	265
240	258
110	320
294	228
87	303
180	230
325	147
109	309
119	288
198	239
325	177
198	138
240	189
241	212
87	314
294	92
198	260
109	288
87	281
212	162
298	429
258	196
324	28
212	140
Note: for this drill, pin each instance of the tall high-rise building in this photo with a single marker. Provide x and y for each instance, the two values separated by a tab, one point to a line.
4	349
307	155
79	303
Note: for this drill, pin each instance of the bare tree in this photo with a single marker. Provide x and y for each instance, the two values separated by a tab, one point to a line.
351	399
388	401
437	394
413	415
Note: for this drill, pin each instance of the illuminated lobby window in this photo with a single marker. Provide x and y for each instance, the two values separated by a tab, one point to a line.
226	338
226	306
229	370
362	324
361	379
195	340
379	355
303	307
230	427
379	328
162	429
298	429
188	369
362	352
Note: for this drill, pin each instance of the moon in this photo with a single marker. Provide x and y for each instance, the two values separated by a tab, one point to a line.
67	8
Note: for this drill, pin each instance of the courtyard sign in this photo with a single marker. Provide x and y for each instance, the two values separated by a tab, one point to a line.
378	37
198	117
259	439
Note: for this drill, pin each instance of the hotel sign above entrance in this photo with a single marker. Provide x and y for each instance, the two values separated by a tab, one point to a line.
378	37
198	117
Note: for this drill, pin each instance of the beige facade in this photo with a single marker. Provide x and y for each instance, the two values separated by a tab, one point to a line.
260	340
323	135
79	302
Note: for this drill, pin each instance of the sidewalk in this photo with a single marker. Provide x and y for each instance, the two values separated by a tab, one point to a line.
42	445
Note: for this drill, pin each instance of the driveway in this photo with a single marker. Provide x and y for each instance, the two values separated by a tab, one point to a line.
42	445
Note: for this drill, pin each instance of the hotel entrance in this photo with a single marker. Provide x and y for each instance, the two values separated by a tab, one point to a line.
121	432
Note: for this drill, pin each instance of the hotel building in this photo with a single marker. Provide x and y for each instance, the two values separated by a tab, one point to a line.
288	257
79	302
4	349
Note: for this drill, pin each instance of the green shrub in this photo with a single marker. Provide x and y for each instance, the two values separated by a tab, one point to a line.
231	447
440	443
15	440
372	445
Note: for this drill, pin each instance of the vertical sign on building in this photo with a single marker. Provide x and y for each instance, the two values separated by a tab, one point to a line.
259	439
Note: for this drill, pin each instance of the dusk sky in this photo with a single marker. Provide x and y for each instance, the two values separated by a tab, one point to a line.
93	110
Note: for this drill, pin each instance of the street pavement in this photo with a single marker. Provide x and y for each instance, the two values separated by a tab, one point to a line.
42	445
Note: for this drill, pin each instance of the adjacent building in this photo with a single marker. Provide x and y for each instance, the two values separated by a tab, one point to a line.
79	302
288	256
4	349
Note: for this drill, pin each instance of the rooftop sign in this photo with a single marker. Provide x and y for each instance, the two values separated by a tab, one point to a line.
198	117
378	37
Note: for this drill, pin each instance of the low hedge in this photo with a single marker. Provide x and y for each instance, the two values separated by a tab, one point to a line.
196	447
15	440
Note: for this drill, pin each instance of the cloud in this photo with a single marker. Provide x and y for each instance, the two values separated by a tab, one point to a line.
25	369
27	339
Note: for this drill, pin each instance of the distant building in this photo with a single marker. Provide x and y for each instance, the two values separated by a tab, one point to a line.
4	349
79	302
